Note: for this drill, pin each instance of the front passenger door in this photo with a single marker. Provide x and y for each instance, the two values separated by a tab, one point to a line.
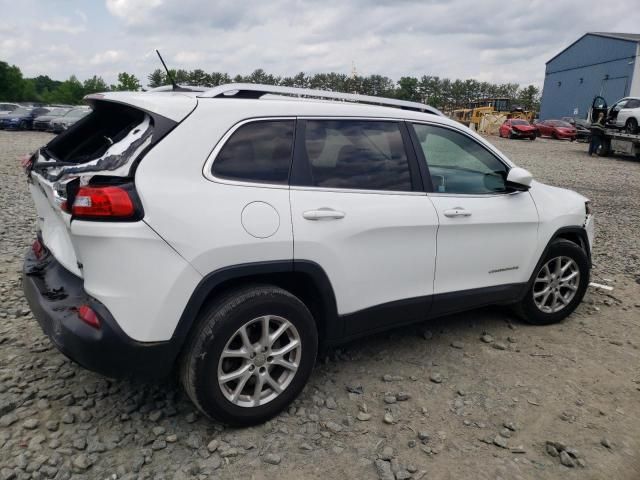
487	233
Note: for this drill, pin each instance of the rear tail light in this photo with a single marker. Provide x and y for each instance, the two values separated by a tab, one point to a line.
103	202
88	316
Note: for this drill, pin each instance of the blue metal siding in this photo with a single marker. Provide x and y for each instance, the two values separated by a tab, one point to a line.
594	65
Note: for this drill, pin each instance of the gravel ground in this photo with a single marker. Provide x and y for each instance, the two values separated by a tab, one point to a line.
477	395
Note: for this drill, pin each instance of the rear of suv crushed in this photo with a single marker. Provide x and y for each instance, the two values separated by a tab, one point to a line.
232	235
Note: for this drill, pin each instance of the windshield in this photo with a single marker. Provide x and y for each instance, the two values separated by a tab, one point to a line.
559	123
519	122
21	111
56	112
77	112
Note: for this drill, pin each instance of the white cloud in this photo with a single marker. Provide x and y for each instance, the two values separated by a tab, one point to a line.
487	40
62	25
107	57
132	11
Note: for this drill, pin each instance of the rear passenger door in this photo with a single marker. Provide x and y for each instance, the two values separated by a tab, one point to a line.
360	212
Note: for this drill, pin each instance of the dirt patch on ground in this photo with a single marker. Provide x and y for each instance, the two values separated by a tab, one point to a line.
477	395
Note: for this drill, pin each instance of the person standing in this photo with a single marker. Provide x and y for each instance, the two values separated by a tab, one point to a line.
597	134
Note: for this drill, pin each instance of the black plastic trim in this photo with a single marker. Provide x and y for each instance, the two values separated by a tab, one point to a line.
385	316
54	294
454	302
331	326
577	230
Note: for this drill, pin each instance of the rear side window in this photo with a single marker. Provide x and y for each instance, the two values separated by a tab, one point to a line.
355	154
257	152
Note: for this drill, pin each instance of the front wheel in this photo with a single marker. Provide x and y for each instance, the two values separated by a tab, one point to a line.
250	356
558	285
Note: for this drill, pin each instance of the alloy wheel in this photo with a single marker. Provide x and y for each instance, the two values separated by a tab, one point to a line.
556	284
259	361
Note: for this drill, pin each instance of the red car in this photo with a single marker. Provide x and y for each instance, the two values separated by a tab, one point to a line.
517	128
556	129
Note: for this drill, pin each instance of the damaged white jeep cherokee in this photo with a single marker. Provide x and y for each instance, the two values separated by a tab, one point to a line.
233	232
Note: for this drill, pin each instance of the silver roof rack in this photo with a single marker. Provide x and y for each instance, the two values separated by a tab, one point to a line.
181	88
253	90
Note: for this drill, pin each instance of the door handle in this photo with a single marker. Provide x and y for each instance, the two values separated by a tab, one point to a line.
457	212
323	214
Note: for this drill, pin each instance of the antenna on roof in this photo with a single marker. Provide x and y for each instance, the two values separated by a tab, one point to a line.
169	76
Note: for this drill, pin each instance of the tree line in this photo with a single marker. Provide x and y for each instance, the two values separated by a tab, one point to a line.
442	93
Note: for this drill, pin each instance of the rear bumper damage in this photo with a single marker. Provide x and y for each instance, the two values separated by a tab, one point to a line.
54	295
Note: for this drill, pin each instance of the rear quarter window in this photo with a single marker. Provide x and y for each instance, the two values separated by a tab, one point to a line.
259	151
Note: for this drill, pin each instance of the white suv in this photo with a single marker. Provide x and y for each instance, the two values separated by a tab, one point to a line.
625	113
233	232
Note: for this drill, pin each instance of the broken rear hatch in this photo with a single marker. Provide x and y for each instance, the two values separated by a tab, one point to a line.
102	148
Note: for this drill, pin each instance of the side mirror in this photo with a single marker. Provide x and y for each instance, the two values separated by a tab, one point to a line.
519	179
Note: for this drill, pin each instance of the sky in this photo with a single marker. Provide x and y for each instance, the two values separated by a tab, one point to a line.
488	40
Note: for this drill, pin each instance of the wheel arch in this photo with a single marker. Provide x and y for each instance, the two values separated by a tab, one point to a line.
304	279
575	234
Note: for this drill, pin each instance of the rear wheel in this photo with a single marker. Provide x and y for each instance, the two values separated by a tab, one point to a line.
23	125
251	355
631	126
558	286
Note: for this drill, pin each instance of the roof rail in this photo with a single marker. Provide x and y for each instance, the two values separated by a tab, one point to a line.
181	88
253	90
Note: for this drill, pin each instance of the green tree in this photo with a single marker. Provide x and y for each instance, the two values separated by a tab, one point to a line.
69	92
11	82
157	78
95	84
529	98
127	82
408	89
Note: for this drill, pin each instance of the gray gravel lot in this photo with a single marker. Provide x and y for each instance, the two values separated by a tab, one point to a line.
476	396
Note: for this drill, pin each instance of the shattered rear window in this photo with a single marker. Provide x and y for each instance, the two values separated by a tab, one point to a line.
109	138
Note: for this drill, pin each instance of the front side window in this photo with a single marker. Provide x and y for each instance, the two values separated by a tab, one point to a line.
257	152
356	154
459	164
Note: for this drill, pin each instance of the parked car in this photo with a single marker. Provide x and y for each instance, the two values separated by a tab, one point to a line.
63	122
517	128
22	118
177	248
8	107
556	129
582	126
43	122
625	113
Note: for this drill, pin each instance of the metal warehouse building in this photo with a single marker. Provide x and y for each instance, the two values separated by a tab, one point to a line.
598	63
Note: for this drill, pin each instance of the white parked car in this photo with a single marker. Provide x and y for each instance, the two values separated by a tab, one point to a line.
234	232
8	107
625	113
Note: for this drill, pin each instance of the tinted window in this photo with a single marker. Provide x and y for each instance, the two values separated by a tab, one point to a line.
519	122
459	164
365	155
632	104
257	152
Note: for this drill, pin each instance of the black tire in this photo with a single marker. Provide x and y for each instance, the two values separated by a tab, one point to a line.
23	125
631	126
216	325
604	150
532	138
527	307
